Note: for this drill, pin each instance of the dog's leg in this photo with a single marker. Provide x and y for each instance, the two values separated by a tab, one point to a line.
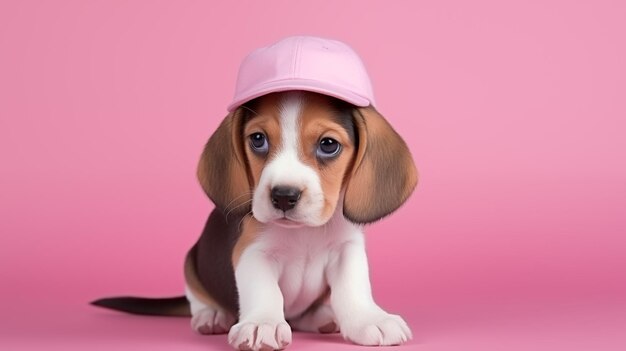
208	319
262	324
319	320
360	319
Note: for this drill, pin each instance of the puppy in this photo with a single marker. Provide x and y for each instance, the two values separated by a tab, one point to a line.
294	177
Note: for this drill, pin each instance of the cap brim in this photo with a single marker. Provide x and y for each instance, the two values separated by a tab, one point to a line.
335	91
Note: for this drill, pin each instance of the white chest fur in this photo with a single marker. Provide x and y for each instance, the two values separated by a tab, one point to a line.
302	258
285	270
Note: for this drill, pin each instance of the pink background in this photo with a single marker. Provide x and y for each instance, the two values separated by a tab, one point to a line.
514	111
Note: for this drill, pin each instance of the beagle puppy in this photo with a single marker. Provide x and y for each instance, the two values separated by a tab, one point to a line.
294	177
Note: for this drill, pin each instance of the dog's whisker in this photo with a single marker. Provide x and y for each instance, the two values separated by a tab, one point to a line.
232	204
237	198
239	205
242	219
232	209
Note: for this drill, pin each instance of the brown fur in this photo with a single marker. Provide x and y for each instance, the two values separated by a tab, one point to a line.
222	170
384	174
212	258
193	282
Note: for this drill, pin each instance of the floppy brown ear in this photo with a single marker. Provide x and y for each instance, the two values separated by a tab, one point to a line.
222	169
383	175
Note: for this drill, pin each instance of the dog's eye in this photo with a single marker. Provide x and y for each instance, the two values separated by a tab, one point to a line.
258	142
328	147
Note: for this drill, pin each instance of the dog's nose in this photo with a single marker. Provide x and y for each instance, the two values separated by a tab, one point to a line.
285	197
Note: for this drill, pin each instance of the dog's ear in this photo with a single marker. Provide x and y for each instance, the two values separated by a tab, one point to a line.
222	169
383	175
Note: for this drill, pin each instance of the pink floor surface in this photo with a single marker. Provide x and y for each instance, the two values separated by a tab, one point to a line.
540	326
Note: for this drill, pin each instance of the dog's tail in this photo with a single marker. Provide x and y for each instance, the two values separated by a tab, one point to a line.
169	306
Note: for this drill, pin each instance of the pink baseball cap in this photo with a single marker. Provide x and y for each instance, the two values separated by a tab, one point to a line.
314	64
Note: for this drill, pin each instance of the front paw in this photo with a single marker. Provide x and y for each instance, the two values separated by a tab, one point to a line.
260	335
376	328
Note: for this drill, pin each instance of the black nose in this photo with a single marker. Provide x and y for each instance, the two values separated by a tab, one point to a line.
285	197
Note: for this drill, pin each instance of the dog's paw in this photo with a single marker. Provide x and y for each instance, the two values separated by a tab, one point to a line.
260	335
212	321
377	328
